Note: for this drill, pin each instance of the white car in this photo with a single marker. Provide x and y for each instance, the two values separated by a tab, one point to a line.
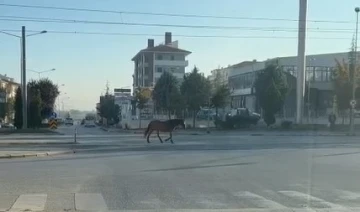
89	123
69	121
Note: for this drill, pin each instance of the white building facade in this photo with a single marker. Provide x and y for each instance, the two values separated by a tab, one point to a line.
150	63
319	70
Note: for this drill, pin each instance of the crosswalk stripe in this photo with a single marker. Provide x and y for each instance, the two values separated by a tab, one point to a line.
306	197
90	202
260	200
30	202
348	195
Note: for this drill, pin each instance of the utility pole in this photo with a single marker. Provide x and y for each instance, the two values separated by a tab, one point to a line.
353	80
301	63
23	74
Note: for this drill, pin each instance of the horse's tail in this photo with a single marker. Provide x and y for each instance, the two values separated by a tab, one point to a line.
147	130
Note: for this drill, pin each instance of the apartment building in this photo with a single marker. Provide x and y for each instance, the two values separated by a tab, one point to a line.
7	95
151	62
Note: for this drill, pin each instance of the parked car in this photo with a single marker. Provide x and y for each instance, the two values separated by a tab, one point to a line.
8	125
69	121
239	118
205	114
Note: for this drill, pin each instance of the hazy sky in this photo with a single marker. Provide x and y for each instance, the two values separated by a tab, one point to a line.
85	62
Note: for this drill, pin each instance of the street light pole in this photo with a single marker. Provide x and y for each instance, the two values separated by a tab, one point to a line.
353	80
23	74
23	68
301	63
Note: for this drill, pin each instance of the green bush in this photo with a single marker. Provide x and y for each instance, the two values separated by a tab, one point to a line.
286	124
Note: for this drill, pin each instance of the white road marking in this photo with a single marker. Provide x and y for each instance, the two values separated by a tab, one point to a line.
90	202
30	202
306	197
261	201
348	195
152	203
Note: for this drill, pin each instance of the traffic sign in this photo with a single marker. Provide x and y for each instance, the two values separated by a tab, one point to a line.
53	124
353	103
53	115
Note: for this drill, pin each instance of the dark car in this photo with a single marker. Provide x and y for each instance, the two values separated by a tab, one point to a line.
240	118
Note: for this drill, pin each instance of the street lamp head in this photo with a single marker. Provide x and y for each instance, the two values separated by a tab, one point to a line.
357	9
43	32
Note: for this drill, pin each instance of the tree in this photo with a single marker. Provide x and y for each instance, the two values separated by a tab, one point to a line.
271	89
18	119
166	93
196	90
108	109
220	97
342	86
34	108
343	74
48	93
142	96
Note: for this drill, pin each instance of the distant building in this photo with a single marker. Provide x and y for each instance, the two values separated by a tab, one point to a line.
319	69
219	76
7	96
124	99
150	63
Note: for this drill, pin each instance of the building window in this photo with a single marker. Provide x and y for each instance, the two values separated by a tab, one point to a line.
159	57
159	70
319	74
172	57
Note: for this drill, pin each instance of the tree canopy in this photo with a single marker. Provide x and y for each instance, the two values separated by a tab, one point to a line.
18	119
48	94
166	93
196	91
271	89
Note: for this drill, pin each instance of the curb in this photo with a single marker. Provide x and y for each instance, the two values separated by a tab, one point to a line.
43	154
34	143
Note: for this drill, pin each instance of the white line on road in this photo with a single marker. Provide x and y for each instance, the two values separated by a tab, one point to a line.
307	197
30	202
348	195
261	201
90	202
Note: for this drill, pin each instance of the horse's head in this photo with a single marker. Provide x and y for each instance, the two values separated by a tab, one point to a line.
179	122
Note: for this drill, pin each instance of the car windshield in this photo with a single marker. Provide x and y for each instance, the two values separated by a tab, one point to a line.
202	105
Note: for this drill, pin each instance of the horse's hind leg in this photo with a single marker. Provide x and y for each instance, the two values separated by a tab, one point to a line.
171	138
159	136
147	139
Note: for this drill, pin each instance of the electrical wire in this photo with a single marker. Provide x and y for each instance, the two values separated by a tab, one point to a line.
177	35
74	21
168	14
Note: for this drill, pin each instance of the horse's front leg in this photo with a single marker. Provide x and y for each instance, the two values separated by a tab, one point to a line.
147	139
169	138
159	136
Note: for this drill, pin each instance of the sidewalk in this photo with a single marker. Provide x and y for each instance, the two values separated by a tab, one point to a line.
24	154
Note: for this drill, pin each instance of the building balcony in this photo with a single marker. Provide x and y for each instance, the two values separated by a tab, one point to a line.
182	63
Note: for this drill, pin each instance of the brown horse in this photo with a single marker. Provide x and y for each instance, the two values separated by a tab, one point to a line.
163	126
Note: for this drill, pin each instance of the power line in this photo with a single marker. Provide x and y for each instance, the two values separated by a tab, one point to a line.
74	21
168	14
177	35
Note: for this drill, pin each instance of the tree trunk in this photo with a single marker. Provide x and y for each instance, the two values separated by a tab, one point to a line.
216	111
169	114
139	119
194	118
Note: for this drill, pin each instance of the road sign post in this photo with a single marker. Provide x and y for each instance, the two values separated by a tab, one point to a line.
352	104
53	123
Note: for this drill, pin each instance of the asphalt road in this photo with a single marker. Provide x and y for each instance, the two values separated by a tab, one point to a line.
206	172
